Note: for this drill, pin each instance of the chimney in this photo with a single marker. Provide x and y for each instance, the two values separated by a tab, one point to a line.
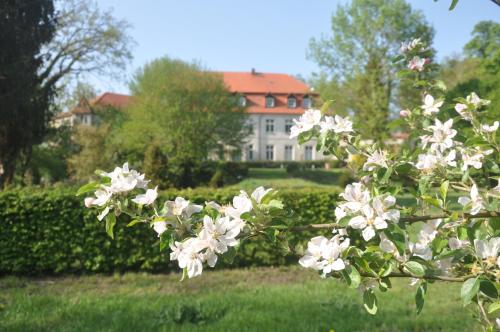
253	71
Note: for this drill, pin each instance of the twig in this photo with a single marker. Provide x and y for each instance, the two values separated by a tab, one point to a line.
404	220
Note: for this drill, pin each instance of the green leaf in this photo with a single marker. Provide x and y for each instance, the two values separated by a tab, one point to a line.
420	296
370	301
443	189
415	268
453	4
354	277
134	222
494	307
92	186
110	224
488	288
469	290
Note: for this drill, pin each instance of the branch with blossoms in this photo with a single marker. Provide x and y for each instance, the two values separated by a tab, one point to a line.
427	210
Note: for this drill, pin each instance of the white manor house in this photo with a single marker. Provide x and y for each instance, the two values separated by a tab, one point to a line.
271	100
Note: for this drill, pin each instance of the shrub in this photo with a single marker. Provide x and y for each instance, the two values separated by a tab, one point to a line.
51	232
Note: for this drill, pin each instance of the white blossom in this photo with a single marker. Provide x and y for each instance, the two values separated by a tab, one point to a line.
428	162
306	122
259	193
417	63
190	257
219	235
160	227
490	129
474	99
430	105
411	45
147	198
182	207
382	204
368	221
462	109
442	135
342	125
475	201
356	196
455	243
123	179
323	254
103	213
241	204
376	159
473	158
488	250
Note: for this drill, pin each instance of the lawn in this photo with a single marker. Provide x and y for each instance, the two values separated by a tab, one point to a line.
278	178
264	299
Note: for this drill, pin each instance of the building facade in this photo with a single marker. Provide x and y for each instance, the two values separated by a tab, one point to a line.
272	102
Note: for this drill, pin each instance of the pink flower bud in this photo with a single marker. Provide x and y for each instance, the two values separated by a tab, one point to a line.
404	113
88	201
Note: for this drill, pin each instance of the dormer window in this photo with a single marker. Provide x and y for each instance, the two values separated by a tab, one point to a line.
292	102
307	102
270	101
242	101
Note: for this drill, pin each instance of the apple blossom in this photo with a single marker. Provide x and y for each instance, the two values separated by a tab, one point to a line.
462	109
490	129
342	125
417	63
475	201
147	198
259	193
306	122
488	249
377	159
190	257
368	222
473	158
430	105
356	196
474	99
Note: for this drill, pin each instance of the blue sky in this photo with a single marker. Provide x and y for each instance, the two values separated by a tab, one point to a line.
269	35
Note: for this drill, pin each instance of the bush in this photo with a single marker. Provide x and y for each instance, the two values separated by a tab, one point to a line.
285	164
51	232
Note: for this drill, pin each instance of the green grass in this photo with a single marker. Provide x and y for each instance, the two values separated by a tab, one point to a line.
284	299
278	178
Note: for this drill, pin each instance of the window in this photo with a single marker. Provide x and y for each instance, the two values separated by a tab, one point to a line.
292	102
242	101
236	155
250	128
307	102
269	101
269	125
288	152
309	153
250	152
288	125
269	152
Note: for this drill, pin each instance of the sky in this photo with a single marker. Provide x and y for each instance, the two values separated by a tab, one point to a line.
268	35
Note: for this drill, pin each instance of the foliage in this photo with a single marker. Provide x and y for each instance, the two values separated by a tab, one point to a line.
25	26
355	60
49	232
187	111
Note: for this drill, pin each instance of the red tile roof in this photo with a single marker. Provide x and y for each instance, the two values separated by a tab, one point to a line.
111	99
255	86
255	82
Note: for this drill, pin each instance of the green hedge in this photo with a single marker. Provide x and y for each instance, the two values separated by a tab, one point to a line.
50	232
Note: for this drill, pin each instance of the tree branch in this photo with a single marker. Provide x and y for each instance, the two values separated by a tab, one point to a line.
404	220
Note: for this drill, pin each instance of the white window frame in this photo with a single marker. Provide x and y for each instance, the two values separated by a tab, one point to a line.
269	125
305	101
270	152
292	99
288	152
272	102
307	149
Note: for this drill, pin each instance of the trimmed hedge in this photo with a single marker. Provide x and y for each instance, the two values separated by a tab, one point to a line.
51	232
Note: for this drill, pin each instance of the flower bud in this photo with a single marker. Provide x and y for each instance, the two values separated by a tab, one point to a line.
89	201
404	113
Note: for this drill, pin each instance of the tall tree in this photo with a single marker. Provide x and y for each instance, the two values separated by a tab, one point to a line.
189	112
366	35
25	26
71	42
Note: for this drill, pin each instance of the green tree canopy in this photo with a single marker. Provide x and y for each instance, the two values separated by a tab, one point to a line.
366	35
188	111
